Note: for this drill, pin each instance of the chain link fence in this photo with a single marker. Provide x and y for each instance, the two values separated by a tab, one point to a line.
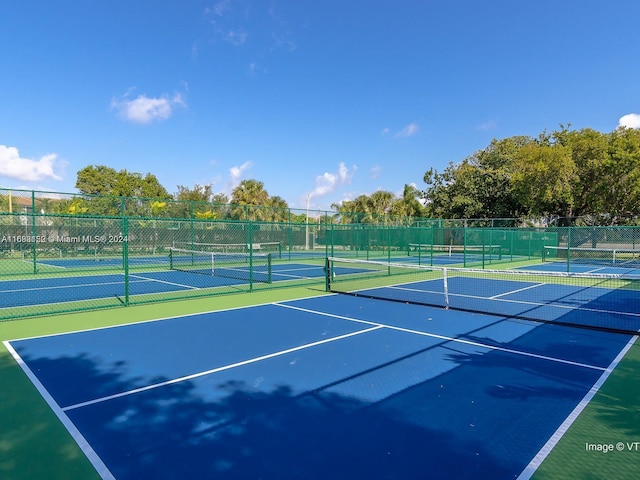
54	263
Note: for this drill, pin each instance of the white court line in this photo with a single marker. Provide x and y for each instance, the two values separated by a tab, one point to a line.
279	273
310	267
536	285
165	282
533	465
82	442
517	302
57	287
98	284
596	270
215	370
449	339
45	264
301	277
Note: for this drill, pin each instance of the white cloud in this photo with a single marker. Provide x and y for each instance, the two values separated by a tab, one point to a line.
143	109
375	171
236	173
409	131
631	120
236	37
487	126
220	8
328	182
12	165
386	131
283	40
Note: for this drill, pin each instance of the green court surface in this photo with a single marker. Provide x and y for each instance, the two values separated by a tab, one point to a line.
34	444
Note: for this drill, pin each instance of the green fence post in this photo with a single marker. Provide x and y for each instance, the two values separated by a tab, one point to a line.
33	232
125	258
327	272
464	244
568	249
250	227
332	240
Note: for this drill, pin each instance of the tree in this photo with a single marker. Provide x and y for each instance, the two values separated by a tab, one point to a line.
408	206
201	202
374	208
381	201
103	180
543	179
478	187
96	180
105	183
621	177
589	151
249	198
279	209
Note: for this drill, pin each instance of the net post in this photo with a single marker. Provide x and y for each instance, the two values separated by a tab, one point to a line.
269	278
327	274
445	284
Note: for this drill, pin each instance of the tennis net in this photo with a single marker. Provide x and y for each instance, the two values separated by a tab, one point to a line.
274	248
597	301
450	254
620	257
241	266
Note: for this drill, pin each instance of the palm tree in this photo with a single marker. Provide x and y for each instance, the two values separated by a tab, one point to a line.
408	206
279	209
380	203
250	197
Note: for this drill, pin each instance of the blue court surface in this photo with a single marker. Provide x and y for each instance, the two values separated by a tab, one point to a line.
332	387
49	290
98	261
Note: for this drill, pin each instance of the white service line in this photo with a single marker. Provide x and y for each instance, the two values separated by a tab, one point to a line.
214	370
165	282
536	285
451	339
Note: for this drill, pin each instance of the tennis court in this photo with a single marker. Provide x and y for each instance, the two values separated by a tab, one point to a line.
339	386
61	289
625	260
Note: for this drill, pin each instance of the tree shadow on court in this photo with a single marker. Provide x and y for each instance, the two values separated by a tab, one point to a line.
484	417
232	430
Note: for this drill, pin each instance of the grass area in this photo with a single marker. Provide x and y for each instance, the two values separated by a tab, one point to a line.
33	442
611	419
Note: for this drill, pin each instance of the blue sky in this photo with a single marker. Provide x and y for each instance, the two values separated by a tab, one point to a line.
321	100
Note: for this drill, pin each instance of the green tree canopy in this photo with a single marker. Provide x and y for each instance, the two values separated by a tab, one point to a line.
103	180
251	201
562	173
